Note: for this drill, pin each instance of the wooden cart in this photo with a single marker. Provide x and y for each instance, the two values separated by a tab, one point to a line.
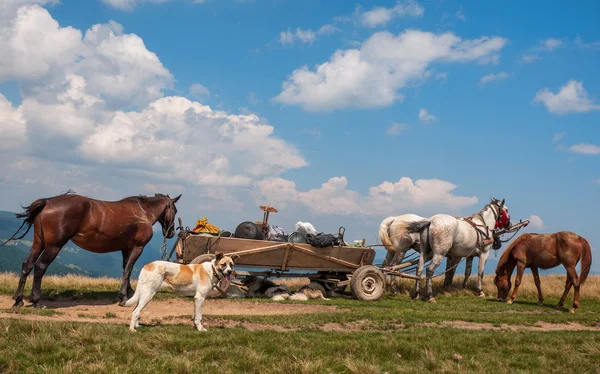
339	266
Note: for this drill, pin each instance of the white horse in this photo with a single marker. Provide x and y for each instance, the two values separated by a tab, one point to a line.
443	235
397	241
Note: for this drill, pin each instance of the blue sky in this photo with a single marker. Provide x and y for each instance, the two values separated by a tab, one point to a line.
320	107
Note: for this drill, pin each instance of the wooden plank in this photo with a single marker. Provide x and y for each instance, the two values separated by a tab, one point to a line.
404	265
328	258
288	250
259	250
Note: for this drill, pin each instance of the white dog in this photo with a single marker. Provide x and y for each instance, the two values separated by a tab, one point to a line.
190	280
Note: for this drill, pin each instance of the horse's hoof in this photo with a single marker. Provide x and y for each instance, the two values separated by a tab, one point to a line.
431	300
572	310
559	307
416	297
123	302
38	306
132	330
510	301
540	303
18	304
481	294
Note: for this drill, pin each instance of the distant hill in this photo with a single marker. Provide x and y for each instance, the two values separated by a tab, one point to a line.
71	259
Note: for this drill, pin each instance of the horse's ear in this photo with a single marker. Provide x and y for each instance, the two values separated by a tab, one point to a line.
219	256
176	199
502	203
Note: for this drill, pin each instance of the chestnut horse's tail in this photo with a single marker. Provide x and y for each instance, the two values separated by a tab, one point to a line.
31	212
586	260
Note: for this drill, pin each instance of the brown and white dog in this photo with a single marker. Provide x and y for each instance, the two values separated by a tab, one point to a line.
190	280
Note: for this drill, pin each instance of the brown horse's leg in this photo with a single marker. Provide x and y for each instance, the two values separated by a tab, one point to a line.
567	289
34	253
536	279
518	279
575	280
130	291
49	254
134	254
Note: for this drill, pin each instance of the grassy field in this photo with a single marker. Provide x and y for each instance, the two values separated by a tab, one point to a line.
459	333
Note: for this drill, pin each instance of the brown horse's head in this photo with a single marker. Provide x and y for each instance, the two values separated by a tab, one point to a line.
502	282
167	219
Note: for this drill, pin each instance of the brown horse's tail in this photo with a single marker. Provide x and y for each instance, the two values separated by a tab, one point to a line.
30	213
586	261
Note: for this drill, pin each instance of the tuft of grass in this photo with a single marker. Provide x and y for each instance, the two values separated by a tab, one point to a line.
109	315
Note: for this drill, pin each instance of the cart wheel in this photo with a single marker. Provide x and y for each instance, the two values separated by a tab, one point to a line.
367	283
203	258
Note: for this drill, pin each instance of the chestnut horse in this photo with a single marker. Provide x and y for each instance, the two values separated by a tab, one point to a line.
94	225
544	251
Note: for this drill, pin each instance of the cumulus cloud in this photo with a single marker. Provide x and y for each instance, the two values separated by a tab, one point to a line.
536	222
380	16
529	58
493	77
585	149
371	77
334	197
571	98
96	98
425	116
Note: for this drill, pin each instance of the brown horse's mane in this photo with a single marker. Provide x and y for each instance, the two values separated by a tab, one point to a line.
141	198
505	257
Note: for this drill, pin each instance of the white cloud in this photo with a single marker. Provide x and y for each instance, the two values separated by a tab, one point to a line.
396	128
370	77
460	14
536	222
380	16
334	197
493	77
253	98
591	45
12	125
551	44
78	110
572	98
529	58
198	90
558	137
131	4
425	116
305	36
585	148
441	76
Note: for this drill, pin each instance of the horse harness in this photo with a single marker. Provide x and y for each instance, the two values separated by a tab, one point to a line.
483	236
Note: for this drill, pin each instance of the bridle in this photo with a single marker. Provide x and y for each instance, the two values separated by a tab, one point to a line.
483	236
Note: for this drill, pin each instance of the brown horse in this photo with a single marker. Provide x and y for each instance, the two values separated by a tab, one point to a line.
544	251
94	225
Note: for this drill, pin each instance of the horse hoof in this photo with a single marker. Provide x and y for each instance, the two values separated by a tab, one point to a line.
481	294
510	301
38	306
540	303
559	307
431	300
123	302
572	310
18	304
416	297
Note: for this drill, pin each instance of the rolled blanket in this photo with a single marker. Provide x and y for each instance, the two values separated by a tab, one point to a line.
202	225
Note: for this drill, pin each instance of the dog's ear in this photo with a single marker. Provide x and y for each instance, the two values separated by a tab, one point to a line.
235	258
219	256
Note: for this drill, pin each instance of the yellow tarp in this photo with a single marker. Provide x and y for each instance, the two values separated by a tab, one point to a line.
202	225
